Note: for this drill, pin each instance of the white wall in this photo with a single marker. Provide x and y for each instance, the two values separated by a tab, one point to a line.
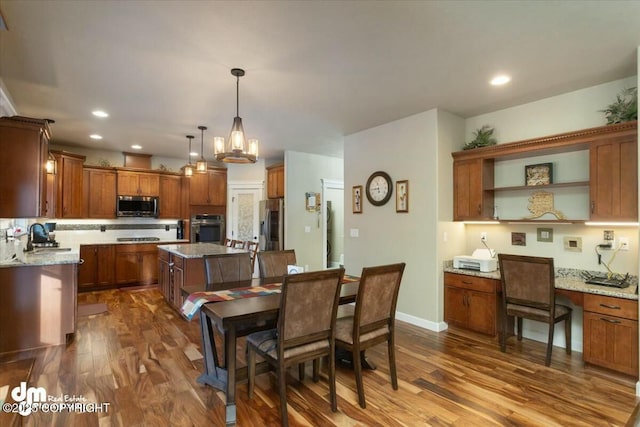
303	173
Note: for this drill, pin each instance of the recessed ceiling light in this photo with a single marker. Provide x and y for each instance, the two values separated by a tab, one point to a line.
500	80
100	113
95	136
136	147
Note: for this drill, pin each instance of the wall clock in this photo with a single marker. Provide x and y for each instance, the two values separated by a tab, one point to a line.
379	188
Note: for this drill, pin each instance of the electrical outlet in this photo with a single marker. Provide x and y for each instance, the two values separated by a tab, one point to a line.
483	236
623	243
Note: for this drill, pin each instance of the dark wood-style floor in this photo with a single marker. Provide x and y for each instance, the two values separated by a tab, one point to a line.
143	359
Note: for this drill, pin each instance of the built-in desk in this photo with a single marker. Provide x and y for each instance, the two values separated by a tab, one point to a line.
610	315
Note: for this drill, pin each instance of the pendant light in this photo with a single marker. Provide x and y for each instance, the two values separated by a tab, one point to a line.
188	169
201	165
238	149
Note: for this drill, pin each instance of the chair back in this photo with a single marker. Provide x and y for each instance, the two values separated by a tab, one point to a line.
377	297
527	281
308	307
227	242
252	247
238	244
273	264
227	268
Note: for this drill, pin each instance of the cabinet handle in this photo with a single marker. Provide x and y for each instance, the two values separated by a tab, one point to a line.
479	209
610	320
593	207
81	261
467	283
612	307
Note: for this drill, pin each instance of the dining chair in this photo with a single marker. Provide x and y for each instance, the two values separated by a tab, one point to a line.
226	268
273	264
227	242
305	331
238	244
372	320
252	247
528	291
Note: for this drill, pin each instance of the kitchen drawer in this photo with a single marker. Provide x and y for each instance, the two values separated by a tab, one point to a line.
178	261
611	306
134	248
163	255
474	283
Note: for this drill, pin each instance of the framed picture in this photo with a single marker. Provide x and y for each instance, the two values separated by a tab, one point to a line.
356	199
402	196
540	174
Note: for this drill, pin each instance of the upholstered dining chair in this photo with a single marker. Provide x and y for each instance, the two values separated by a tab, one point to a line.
273	264
305	331
372	320
227	268
528	291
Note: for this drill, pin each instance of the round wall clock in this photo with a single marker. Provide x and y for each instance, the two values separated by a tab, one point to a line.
379	188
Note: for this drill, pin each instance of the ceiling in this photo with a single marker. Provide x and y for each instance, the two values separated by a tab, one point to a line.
315	70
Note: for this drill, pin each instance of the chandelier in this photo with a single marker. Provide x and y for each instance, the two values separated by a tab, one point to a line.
188	169
237	149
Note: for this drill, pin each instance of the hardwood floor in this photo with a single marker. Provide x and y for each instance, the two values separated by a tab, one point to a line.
143	359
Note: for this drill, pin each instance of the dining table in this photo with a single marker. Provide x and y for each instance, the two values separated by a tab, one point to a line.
243	313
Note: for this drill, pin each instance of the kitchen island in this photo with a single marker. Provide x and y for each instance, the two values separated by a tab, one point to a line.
181	265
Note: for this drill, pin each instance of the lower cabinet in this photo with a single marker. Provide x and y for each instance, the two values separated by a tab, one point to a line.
471	302
136	264
96	268
176	272
610	331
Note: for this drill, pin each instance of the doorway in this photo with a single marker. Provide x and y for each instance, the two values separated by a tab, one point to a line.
332	223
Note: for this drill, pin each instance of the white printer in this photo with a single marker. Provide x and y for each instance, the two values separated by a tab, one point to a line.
483	260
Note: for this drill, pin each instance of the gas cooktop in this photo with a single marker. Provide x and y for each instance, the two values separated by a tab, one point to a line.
138	239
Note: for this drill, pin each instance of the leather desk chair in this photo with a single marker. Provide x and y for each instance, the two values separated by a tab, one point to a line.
227	268
273	264
305	331
528	291
373	320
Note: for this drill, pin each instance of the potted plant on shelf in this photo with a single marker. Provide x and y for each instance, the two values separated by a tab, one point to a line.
625	107
483	138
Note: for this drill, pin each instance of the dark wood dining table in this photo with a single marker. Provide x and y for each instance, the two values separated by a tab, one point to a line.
238	318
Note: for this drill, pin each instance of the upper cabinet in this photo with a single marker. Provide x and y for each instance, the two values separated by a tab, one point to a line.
170	196
24	144
591	174
275	182
208	189
69	184
138	184
99	193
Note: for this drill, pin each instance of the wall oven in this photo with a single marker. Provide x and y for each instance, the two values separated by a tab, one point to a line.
207	228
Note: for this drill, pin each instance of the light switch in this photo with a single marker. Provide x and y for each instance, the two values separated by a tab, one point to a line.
354	232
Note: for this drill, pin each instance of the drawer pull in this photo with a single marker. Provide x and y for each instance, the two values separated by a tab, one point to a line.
612	307
467	283
610	320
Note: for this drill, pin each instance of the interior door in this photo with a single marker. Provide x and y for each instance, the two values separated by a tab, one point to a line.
244	211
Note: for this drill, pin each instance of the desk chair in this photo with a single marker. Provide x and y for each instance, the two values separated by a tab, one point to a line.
528	291
221	269
306	331
373	320
273	264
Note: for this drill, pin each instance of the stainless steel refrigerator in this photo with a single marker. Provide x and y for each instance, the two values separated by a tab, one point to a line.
272	225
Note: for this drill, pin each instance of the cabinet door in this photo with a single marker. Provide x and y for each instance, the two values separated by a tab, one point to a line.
101	194
89	266
148	267
482	312
170	197
199	189
275	182
105	267
218	187
470	200
127	184
148	184
455	307
177	281
614	180
127	269
70	178
611	342
164	278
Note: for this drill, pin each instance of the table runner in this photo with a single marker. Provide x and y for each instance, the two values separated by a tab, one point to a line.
196	300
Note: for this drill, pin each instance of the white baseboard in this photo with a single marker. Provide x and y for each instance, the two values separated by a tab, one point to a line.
638	388
421	323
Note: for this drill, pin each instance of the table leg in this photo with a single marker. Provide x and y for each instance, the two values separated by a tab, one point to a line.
213	375
230	362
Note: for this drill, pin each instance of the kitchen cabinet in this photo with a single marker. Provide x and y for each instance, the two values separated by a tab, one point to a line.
97	266
24	144
99	193
136	263
613	169
470	201
275	182
610	194
138	183
208	189
69	185
610	333
170	197
177	272
471	302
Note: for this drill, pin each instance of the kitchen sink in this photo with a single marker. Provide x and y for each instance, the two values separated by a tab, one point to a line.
48	250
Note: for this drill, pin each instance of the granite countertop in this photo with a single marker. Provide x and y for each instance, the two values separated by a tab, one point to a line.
566	278
198	250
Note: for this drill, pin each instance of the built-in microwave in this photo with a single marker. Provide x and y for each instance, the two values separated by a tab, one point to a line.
138	206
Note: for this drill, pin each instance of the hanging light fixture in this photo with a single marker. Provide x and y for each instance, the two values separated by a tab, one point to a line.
201	165
188	169
238	149
52	166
